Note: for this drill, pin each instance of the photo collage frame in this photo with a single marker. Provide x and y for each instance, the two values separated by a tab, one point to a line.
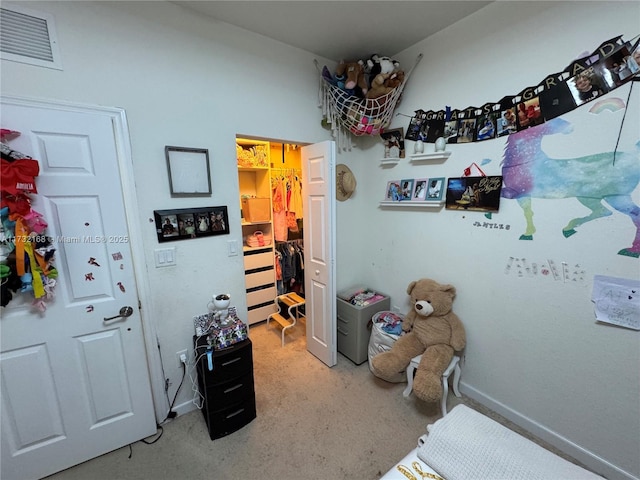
190	223
416	190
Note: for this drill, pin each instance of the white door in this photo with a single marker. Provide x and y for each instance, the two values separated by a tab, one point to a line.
74	385
319	205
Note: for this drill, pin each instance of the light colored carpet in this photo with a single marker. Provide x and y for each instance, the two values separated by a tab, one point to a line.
313	422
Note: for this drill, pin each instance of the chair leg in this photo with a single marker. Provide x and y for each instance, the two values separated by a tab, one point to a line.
456	380
445	394
410	371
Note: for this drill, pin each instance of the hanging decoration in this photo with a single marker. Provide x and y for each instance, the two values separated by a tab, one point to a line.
613	64
26	252
351	114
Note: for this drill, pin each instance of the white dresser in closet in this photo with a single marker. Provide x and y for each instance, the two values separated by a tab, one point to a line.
259	261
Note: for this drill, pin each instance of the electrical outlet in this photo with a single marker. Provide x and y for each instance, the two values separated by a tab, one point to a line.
179	355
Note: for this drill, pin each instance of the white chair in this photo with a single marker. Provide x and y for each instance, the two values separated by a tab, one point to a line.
454	366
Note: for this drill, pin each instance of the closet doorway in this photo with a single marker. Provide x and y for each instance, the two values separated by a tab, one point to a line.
287	199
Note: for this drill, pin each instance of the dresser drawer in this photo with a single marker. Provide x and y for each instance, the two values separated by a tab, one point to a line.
228	364
224	422
258	260
222	395
261	313
258	279
263	295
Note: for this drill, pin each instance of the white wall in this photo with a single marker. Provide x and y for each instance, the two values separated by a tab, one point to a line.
188	82
535	352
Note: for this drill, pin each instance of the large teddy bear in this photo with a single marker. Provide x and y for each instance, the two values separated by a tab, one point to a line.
433	331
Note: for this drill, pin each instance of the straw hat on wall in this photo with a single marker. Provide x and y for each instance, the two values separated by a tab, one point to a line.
345	182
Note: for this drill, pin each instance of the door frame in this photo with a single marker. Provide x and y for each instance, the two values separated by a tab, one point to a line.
125	163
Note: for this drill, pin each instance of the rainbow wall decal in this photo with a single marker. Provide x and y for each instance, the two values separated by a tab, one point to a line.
607	105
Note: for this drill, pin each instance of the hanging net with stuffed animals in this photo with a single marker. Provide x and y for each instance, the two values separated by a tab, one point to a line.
352	115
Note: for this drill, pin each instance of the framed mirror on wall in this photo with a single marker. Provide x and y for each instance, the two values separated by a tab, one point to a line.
189	171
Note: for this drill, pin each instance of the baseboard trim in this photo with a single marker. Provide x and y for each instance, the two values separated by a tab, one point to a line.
185	407
591	460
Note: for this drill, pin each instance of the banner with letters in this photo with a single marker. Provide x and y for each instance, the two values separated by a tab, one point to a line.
611	65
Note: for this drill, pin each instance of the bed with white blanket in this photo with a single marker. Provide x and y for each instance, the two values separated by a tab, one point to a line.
466	445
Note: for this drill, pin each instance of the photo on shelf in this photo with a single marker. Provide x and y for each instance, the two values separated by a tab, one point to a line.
435	189
393	192
406	189
188	223
393	141
420	190
480	194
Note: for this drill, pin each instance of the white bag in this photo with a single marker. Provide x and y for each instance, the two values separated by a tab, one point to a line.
381	341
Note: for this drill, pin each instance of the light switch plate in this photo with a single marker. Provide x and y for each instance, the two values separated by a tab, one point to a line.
165	257
232	248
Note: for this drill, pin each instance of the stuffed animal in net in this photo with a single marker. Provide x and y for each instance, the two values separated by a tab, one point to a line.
384	83
380	64
378	87
434	332
350	78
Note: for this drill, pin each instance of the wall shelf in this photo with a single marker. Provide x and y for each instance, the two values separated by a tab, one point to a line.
429	157
389	161
410	204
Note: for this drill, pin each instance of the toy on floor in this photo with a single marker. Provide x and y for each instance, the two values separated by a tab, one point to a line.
434	331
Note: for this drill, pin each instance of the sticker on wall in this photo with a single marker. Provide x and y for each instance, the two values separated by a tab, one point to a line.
573	273
89	308
92	261
522	267
492	225
89	277
121	286
116	256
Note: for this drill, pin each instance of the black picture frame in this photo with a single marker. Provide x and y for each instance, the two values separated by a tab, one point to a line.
480	194
189	171
190	223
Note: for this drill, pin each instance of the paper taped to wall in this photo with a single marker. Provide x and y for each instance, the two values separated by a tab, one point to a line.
617	301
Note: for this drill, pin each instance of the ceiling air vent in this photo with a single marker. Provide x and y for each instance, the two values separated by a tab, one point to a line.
29	37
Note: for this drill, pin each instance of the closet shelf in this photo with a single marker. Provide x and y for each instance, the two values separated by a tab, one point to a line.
410	204
429	157
265	248
245	223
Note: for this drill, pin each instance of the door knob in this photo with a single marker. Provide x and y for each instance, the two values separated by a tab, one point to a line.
124	312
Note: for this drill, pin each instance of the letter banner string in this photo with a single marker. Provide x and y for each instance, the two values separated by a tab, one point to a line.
613	64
